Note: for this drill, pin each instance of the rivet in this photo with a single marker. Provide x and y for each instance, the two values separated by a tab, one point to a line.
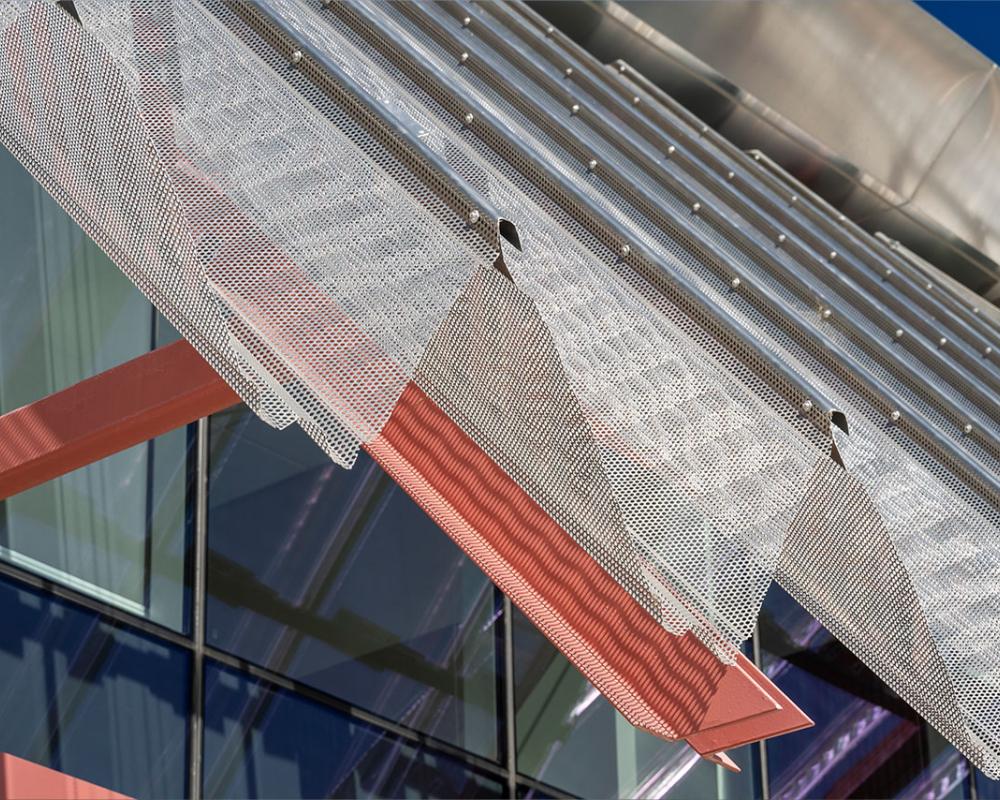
730	176
842	218
888	273
894	416
827	313
794	198
929	286
833	255
621	67
782	238
671	150
296	56
568	71
464	57
735	283
696	207
756	156
549	30
807	406
469	118
636	100
574	109
473	217
592	164
987	351
466	22
704	129
967	429
626	250
975	309
898	333
942	342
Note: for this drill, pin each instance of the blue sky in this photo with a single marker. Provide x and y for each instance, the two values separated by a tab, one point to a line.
976	21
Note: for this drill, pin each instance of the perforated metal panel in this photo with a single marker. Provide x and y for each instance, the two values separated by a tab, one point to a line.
697	373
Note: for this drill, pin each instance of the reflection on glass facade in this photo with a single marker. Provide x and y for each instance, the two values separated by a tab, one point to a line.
569	736
867	742
377	647
115	529
266	742
335	578
91	700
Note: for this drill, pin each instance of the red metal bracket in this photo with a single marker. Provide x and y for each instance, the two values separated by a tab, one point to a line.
673	686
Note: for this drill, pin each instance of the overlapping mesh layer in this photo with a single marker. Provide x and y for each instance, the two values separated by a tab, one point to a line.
319	267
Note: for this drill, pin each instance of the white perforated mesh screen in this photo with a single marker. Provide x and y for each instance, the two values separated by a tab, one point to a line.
318	265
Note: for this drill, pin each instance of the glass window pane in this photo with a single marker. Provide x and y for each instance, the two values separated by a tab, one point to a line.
571	738
261	741
866	742
99	703
337	579
115	529
985	788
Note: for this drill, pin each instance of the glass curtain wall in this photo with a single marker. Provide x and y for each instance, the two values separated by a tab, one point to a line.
335	643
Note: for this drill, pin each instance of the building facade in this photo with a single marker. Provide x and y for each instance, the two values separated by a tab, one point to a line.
223	612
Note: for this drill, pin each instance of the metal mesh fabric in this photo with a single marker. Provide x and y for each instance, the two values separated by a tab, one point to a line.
319	266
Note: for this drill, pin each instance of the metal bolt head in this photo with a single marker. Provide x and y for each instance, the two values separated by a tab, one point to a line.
827	313
735	283
704	129
671	150
807	406
967	429
975	309
592	164
887	273
574	109
621	67
793	199
473	216
568	71
833	255
942	342
636	100
756	156
549	30
898	333
625	250
696	207
464	57
296	56
730	176
841	218
469	118
988	351
782	238
929	286
894	416
466	22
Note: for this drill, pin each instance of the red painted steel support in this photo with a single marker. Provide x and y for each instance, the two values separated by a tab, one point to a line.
25	780
671	685
110	412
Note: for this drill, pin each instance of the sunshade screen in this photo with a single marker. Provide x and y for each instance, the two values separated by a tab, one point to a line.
319	277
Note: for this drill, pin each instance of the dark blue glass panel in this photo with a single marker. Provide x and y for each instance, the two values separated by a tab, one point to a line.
985	788
570	737
99	703
337	579
867	742
261	741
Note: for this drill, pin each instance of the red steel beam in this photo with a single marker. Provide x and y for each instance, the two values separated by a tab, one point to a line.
117	409
671	685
